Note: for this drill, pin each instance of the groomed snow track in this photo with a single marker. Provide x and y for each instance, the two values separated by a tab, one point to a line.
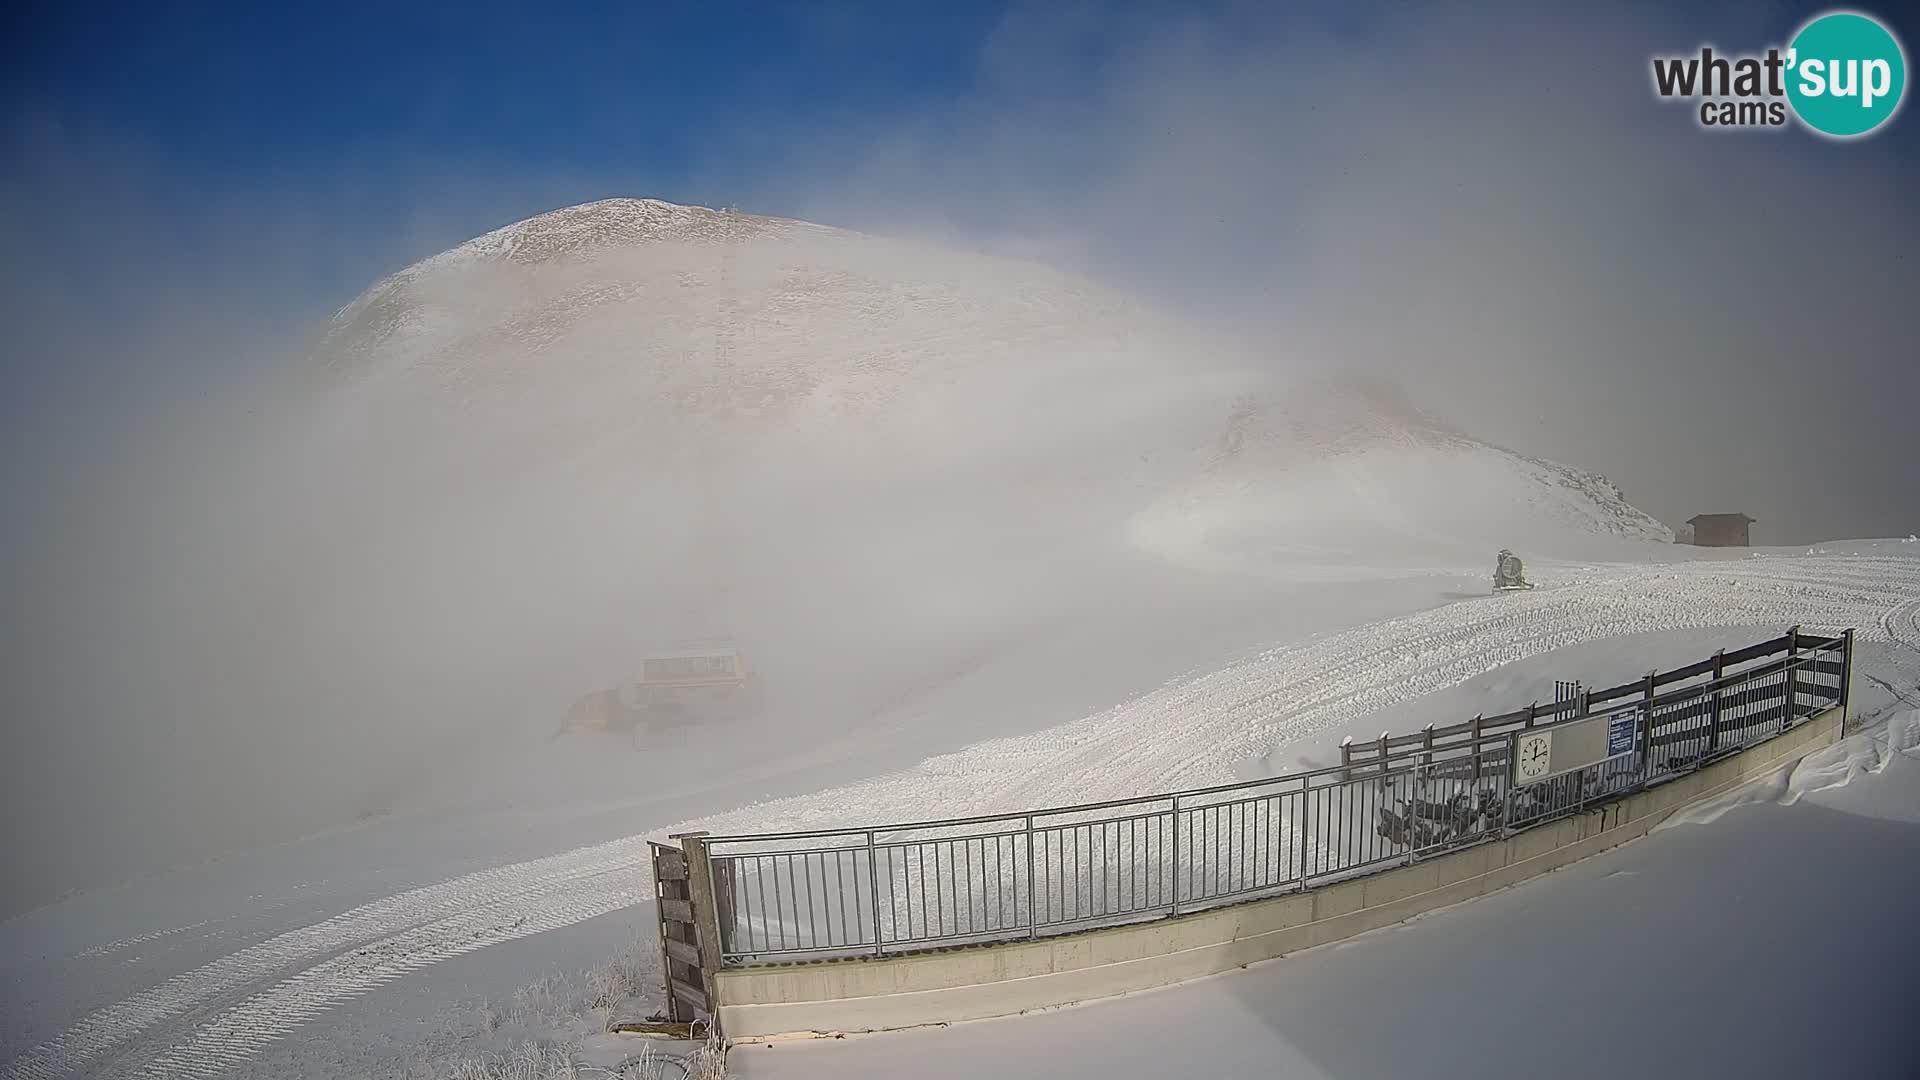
1192	732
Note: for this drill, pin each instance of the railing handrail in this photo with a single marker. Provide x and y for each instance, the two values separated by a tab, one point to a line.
1491	731
1497	730
1028	873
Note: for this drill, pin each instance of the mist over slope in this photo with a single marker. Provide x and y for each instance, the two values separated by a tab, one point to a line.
646	419
510	469
1345	475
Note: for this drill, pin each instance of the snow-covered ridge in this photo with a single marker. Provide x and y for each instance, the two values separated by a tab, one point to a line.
573	231
596	334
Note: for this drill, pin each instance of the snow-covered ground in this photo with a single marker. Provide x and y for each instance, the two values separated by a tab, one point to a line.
997	537
1775	942
404	927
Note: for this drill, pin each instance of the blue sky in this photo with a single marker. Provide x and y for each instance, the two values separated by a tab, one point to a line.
238	93
377	112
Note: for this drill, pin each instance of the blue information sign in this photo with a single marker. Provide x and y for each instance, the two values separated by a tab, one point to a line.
1620	733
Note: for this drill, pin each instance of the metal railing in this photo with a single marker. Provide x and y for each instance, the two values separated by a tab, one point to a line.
906	887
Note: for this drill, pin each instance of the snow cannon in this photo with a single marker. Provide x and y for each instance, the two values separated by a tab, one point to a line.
1508	574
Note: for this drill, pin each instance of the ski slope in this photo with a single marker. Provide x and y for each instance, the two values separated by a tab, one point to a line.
998	537
879	465
214	1018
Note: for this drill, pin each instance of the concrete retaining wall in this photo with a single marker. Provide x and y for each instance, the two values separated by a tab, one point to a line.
999	980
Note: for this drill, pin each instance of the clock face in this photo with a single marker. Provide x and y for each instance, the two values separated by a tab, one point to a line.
1534	756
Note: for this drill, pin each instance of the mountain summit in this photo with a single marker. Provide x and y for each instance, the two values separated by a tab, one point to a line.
726	371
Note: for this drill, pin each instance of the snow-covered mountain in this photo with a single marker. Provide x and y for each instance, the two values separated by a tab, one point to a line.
627	341
631	419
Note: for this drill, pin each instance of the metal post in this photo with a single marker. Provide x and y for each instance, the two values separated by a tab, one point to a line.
1513	774
1646	740
1346	758
1846	676
1383	757
1176	855
1306	794
1476	750
1793	675
1033	913
1416	789
1713	722
873	883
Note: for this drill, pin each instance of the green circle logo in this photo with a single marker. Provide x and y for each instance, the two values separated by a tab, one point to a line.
1846	74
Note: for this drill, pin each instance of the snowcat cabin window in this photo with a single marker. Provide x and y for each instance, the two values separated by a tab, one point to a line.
688	667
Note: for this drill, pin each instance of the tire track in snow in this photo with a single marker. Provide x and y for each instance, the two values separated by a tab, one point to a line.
1189	732
220	1044
139	939
105	1029
1901	625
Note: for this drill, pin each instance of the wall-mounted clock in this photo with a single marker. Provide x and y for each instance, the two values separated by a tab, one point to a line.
1532	756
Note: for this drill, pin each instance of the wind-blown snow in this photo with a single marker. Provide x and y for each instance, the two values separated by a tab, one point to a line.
1828	767
886	466
875	464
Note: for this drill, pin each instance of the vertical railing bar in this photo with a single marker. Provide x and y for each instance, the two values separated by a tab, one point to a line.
986	916
920	856
893	898
1305	829
1206	850
1204	886
1217	869
1262	835
1095	871
826	909
805	862
793	896
941	878
991	918
1033	913
1099	868
1159	867
1109	868
1175	865
999	916
840	886
1053	849
1073	831
777	913
1274	874
873	884
1196	845
761	874
1239	838
966	856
